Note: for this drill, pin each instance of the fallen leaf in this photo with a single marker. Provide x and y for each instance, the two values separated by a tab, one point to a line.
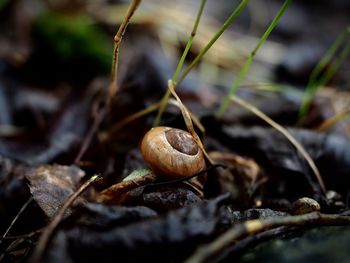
51	185
146	236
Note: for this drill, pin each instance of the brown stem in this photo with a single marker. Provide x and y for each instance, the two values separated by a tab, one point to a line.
26	204
112	90
117	39
207	253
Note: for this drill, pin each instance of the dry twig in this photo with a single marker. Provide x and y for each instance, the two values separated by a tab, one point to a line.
117	39
102	112
26	204
206	253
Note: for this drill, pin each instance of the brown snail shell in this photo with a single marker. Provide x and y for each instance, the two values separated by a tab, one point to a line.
172	152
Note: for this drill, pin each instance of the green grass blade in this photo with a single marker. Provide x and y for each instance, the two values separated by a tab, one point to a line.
314	83
334	66
189	43
216	36
165	99
249	60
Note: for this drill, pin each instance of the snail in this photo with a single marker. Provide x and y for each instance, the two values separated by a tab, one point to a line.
172	153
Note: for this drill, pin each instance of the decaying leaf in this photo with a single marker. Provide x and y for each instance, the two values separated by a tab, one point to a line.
51	185
241	177
160	239
54	82
116	193
171	197
278	158
100	216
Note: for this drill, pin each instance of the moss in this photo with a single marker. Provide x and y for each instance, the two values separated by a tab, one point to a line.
3	3
70	38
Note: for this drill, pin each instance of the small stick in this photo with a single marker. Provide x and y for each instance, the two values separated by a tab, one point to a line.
101	113
24	207
252	240
24	236
117	39
105	136
51	228
216	36
332	121
188	121
206	253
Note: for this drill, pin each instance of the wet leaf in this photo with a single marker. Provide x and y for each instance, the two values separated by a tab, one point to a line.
103	217
280	160
168	198
51	185
161	239
63	133
241	177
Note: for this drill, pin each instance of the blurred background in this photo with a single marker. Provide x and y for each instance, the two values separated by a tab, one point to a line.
39	33
55	64
55	56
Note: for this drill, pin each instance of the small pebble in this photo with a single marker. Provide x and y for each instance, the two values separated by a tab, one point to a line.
305	205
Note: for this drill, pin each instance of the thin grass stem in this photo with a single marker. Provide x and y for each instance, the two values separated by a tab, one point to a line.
52	226
313	83
326	58
165	99
190	40
250	58
334	120
117	39
107	135
113	87
334	66
24	207
216	36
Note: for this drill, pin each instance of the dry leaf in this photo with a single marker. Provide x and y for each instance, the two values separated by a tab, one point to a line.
51	185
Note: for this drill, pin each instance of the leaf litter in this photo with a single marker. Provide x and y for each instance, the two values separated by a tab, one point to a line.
45	119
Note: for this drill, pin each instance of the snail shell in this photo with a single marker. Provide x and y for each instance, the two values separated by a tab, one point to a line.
172	152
